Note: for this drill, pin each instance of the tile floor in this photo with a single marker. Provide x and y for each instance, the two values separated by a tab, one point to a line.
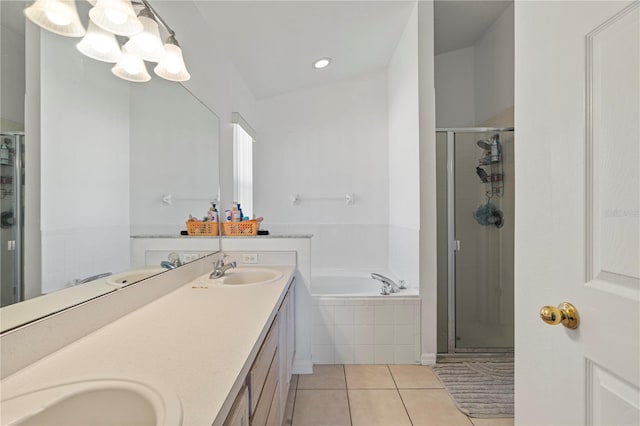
391	395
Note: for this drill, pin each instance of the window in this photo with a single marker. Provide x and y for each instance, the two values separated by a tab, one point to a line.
243	138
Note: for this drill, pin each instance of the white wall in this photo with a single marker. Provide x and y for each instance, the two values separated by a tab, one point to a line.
12	82
327	142
404	149
494	59
174	150
474	85
84	204
455	88
214	80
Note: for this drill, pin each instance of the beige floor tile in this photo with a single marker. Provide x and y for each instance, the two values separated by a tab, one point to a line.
432	407
503	421
369	377
323	377
321	407
370	407
414	377
291	397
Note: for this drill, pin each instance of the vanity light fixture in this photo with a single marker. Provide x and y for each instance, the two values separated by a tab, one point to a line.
147	44
99	44
131	67
111	18
116	16
58	16
172	67
321	63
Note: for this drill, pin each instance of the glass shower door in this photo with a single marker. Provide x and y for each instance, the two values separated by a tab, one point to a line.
11	214
483	242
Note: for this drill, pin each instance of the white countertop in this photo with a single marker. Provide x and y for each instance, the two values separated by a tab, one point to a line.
198	341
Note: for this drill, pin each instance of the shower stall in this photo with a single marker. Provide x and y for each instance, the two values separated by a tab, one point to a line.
11	215
475	196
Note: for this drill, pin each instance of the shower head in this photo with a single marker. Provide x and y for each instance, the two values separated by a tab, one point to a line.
485	144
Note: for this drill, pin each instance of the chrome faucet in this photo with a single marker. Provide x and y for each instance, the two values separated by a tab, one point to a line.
219	267
167	265
88	279
388	285
173	262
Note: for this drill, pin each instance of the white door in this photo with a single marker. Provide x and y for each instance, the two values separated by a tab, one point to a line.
577	136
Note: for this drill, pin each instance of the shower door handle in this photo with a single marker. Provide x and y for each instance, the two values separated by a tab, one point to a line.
456	245
565	314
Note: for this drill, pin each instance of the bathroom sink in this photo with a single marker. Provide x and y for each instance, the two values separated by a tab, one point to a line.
125	278
94	402
245	276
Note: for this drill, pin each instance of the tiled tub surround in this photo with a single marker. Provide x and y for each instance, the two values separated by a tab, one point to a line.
354	324
198	342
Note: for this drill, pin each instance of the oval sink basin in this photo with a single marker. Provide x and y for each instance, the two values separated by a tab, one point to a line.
129	277
94	402
245	276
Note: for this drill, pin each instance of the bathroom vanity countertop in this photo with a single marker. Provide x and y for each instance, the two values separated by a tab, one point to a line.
223	236
198	340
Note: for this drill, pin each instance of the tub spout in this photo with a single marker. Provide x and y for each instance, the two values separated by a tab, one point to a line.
388	285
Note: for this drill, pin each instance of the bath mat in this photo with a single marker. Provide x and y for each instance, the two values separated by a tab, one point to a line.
479	389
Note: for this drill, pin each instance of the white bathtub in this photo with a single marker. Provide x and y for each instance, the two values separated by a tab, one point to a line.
354	324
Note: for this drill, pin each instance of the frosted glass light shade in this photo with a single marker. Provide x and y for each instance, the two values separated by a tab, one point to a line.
147	44
58	16
130	67
116	16
99	44
172	66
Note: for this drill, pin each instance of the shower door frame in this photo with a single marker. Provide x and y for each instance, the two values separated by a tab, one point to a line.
453	244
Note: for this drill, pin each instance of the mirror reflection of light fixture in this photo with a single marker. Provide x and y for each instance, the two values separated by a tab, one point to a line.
130	67
58	16
172	66
147	44
99	44
116	16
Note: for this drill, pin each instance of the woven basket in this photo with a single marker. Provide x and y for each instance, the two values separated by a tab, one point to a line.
245	228
208	229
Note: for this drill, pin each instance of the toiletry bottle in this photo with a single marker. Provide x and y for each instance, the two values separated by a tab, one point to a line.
227	215
235	213
495	151
241	214
213	213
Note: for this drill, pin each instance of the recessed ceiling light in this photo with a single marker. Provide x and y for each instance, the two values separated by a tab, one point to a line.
321	63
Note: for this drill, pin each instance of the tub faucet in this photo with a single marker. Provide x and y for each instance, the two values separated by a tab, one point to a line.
388	285
88	279
219	267
167	265
173	262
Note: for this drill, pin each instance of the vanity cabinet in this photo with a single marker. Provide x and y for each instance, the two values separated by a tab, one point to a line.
239	414
263	398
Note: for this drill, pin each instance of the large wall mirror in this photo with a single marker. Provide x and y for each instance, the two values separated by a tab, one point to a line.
90	158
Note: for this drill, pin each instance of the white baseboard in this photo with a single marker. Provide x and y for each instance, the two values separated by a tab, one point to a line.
302	367
428	359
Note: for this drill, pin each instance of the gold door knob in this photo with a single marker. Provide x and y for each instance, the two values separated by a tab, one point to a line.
565	313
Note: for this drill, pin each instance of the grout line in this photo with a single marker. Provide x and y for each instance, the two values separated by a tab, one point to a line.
295	397
400	395
344	371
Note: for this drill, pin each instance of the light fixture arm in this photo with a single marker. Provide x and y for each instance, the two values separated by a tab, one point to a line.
159	18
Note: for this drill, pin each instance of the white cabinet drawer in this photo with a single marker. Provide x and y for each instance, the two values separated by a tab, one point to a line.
260	368
266	397
239	414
